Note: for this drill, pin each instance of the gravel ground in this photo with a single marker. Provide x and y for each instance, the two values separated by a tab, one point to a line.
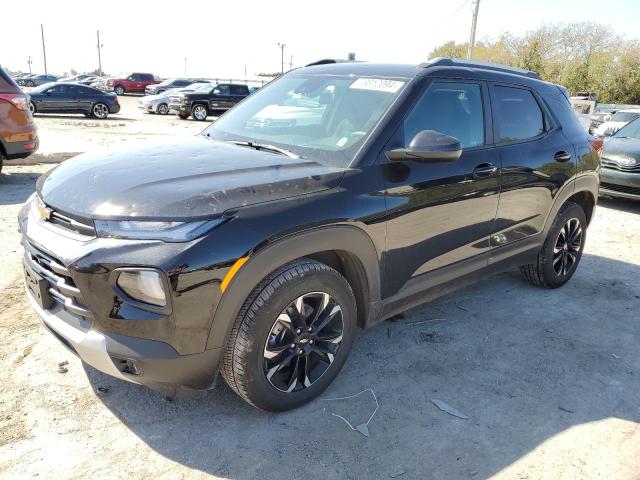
549	380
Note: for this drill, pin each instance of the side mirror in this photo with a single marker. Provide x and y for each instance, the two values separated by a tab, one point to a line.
429	146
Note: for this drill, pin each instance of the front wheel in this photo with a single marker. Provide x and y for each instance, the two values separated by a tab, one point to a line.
562	249
100	110
199	112
291	336
119	90
163	109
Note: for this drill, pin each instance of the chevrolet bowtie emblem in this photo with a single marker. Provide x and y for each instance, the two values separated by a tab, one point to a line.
45	212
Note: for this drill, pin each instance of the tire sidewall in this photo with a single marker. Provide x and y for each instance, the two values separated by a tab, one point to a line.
261	391
571	210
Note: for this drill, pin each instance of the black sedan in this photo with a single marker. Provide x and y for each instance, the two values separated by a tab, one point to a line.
73	98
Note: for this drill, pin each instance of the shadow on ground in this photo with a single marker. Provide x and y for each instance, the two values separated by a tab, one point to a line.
20	184
525	364
626	205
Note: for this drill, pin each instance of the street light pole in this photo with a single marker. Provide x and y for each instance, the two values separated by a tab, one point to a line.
99	56
29	62
185	66
44	51
281	46
474	23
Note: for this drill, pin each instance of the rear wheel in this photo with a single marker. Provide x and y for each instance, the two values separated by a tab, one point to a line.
163	109
100	110
291	336
562	249
199	112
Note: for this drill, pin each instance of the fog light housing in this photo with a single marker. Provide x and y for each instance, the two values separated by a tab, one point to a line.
146	286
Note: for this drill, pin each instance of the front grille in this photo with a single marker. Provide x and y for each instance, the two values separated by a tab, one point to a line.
606	163
62	288
50	215
620	188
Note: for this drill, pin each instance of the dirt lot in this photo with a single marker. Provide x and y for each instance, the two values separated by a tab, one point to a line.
550	380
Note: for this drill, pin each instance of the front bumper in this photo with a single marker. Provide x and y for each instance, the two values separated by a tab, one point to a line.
180	108
616	183
165	351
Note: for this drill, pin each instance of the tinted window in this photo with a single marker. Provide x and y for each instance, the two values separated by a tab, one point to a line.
57	90
181	83
86	92
454	109
221	90
518	115
238	90
146	77
631	130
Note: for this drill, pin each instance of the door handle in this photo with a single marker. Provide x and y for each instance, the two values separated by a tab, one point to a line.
562	156
485	170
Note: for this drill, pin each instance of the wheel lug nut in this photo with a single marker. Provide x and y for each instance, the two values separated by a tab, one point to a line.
309	329
293	345
299	331
300	352
310	342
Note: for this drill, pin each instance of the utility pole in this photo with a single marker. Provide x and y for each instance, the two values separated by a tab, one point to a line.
29	62
281	47
474	23
185	66
291	62
245	72
44	51
99	57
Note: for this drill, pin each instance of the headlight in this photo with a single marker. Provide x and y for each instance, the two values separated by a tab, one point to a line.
165	231
143	285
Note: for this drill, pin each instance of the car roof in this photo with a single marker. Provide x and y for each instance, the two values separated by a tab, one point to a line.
438	67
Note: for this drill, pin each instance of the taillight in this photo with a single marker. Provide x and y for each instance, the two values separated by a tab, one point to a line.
19	100
597	144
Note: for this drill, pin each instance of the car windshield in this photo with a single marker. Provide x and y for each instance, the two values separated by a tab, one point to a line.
206	88
326	118
631	130
625	116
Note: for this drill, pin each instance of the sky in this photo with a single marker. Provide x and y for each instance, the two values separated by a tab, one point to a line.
222	39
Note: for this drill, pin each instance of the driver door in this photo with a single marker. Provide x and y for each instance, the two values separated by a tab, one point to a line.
441	215
56	99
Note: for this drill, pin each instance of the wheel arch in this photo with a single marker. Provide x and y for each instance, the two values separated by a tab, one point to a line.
582	190
347	249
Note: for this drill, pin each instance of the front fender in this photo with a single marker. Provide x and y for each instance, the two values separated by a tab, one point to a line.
265	260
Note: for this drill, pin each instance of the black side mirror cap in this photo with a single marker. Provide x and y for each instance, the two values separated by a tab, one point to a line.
428	146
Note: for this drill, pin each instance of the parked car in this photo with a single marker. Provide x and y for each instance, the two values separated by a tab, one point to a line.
616	122
18	133
74	78
73	98
160	103
134	83
599	117
22	81
207	100
171	83
620	173
259	250
38	80
89	81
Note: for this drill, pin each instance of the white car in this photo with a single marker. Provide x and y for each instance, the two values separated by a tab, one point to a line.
617	121
160	103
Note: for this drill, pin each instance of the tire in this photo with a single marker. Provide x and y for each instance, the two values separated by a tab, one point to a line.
558	258
32	107
29	84
100	111
199	112
249	361
119	89
182	116
163	109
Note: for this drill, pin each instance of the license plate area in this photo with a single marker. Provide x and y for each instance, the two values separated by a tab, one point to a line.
38	287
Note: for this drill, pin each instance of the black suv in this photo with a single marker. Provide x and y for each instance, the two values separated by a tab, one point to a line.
207	100
333	198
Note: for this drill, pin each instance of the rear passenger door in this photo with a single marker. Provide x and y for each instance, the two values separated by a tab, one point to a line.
238	92
536	160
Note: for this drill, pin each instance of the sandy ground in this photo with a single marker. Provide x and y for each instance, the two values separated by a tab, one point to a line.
549	380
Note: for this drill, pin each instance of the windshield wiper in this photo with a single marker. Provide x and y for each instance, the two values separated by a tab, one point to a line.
264	146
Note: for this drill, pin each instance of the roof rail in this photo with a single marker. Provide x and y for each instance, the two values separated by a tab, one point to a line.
459	62
326	61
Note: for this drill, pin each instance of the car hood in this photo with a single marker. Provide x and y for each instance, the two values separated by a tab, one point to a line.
611	126
622	150
190	178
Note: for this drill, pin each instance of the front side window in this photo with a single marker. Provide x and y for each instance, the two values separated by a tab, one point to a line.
326	118
57	90
221	90
517	114
454	109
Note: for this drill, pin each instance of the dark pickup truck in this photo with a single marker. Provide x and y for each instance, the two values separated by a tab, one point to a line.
207	100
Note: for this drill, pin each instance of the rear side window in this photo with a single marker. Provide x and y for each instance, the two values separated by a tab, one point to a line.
238	90
145	77
517	114
454	109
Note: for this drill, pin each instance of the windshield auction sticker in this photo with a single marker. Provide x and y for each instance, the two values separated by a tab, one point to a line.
377	84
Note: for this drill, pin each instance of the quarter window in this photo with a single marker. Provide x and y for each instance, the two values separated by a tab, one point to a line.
518	115
454	109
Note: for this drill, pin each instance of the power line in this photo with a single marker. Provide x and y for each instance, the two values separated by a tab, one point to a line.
455	12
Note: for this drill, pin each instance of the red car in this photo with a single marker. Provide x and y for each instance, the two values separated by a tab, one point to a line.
134	83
